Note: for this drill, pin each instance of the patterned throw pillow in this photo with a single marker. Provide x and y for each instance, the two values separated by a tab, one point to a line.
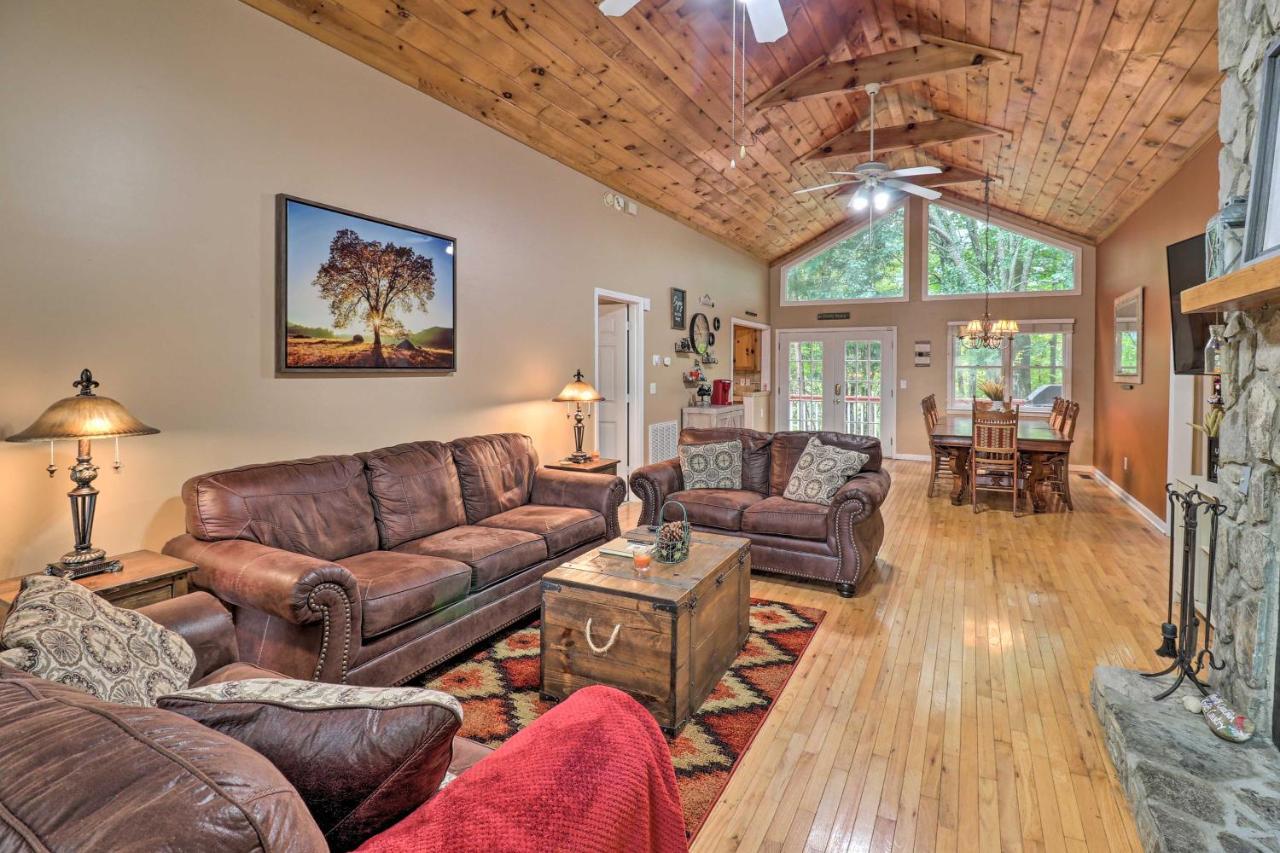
362	758
821	471
61	631
712	466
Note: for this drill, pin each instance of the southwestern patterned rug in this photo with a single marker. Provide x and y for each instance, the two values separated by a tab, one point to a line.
498	688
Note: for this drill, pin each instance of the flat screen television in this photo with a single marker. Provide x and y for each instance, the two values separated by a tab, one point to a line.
1190	331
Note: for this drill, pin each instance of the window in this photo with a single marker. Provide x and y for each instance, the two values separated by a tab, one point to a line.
1035	367
868	264
1020	264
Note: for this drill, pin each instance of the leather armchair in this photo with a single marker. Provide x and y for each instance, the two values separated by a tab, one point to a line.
653	484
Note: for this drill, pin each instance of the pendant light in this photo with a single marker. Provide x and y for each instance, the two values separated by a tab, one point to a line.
986	333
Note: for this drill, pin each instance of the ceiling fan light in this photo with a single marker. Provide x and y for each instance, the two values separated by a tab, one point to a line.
859	201
881	200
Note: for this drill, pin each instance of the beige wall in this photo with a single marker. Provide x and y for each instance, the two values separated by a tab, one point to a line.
1133	420
921	319
141	147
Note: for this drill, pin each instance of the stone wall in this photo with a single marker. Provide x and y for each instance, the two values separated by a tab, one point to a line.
1246	606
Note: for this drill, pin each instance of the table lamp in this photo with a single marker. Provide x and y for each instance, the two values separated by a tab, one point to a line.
578	394
83	417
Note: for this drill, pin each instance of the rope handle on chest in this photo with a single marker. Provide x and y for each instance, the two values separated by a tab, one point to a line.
613	638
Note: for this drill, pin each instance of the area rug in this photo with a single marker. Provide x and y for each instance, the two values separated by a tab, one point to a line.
498	688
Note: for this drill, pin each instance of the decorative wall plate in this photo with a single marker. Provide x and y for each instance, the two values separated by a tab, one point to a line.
715	324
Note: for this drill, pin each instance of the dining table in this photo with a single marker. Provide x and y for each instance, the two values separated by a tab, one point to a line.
1036	440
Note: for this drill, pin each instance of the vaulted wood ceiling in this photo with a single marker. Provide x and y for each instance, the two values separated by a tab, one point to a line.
1101	102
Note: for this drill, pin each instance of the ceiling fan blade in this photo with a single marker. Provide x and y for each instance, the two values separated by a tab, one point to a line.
855	175
923	192
823	187
616	8
767	21
913	171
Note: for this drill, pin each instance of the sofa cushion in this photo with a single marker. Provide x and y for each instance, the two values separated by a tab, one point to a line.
397	588
319	506
361	757
711	466
755	451
238	671
821	472
563	527
61	631
492	553
415	490
787	447
720	508
783	517
83	774
496	472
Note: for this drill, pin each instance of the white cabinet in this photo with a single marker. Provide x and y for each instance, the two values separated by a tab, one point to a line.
756	410
705	417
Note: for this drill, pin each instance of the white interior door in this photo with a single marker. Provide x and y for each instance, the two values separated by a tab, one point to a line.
612	414
842	381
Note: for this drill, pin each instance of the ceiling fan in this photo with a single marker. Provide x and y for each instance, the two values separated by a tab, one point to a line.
876	177
767	21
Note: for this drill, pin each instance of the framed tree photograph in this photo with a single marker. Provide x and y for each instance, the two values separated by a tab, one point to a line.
359	296
678	301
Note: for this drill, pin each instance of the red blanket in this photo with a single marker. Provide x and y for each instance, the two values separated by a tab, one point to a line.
592	774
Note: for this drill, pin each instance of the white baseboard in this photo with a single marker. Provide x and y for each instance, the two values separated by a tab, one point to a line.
913	457
1133	503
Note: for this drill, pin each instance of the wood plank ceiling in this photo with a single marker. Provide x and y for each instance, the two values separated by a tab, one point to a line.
1101	101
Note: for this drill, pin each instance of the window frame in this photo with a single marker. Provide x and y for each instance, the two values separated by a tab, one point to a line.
1076	250
1030	327
838	236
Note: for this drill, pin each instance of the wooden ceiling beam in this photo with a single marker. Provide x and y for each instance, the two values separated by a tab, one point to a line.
916	134
935	55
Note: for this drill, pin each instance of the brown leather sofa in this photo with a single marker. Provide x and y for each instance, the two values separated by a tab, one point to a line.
836	543
373	568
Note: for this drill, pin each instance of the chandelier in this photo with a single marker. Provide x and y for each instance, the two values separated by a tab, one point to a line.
986	333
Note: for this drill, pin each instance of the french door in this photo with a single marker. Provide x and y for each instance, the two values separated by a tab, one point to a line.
840	380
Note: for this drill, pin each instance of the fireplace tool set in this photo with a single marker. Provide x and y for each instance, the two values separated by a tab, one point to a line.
1183	641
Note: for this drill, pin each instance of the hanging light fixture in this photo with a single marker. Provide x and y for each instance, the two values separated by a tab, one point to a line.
986	333
740	135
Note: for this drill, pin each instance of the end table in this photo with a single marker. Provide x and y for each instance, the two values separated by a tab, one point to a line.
147	577
593	466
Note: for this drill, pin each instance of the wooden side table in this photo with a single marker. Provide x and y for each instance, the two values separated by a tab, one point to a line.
147	577
594	466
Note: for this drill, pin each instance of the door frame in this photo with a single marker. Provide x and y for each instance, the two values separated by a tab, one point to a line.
889	424
766	348
637	307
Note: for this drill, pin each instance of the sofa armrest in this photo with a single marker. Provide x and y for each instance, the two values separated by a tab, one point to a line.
600	492
653	483
294	587
861	496
204	623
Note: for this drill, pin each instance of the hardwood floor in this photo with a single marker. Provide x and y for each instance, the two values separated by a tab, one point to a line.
946	706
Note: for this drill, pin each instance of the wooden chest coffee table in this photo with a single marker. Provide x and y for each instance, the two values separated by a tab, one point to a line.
665	635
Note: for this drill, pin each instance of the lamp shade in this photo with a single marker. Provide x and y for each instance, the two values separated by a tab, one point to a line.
578	391
86	415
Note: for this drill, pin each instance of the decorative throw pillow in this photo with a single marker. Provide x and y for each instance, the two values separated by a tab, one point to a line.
712	466
61	631
821	471
361	757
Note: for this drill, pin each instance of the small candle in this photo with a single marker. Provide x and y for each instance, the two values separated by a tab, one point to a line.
642	559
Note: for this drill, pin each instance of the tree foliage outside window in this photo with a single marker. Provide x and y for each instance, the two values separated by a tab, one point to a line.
868	264
1019	264
1033	361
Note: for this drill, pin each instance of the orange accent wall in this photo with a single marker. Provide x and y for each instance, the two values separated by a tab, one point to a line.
1134	421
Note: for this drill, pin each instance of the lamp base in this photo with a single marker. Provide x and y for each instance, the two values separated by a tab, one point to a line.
82	570
580	457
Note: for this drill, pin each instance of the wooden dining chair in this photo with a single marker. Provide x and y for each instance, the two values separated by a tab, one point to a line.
1055	415
940	458
1058	465
994	455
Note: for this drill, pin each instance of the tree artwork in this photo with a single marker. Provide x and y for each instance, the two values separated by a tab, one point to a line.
370	281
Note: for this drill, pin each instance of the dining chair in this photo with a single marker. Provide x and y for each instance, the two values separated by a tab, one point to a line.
1055	415
1058	465
940	458
994	455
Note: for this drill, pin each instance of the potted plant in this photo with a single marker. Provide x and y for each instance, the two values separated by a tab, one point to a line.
993	390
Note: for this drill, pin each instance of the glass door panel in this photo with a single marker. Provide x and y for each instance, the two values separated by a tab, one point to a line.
863	392
804	398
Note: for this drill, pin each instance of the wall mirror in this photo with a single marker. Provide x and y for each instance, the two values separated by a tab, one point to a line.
1128	337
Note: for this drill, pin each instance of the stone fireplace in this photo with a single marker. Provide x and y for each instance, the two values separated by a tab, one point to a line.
1188	789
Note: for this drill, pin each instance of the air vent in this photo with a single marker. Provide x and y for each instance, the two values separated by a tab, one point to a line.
662	441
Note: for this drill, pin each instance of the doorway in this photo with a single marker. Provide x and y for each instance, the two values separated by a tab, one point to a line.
619	377
838	380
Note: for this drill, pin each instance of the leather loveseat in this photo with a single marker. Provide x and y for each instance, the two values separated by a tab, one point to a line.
373	568
836	543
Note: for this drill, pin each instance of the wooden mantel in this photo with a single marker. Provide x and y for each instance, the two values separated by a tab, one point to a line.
1247	287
